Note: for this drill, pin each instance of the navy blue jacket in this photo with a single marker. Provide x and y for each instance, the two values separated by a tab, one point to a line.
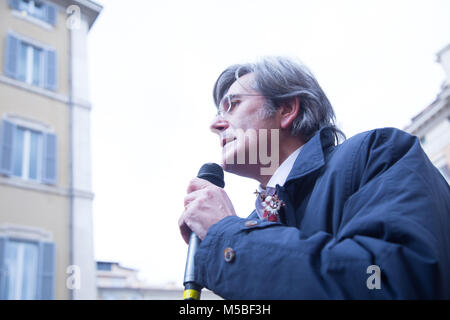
375	199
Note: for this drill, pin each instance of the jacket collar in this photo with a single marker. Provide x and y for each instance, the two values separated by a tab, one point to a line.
311	157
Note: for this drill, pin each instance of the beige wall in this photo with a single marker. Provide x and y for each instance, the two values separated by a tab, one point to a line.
34	106
55	37
20	206
50	213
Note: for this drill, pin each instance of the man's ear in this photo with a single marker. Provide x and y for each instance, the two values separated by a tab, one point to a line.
289	111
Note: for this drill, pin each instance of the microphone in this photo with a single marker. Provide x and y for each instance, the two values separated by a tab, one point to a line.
213	173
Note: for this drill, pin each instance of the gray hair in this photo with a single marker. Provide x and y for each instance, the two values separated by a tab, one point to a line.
281	79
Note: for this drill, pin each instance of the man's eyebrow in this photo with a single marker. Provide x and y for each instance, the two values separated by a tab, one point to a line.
231	96
239	95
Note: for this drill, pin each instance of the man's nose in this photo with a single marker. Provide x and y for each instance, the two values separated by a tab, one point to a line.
219	124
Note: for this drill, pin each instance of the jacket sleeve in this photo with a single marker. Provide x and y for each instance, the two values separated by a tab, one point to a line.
396	219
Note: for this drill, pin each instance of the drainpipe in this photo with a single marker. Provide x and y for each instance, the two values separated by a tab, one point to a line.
71	193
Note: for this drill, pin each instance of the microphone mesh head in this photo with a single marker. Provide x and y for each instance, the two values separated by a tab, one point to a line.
213	173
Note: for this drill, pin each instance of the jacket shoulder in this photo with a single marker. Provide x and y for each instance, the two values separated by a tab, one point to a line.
391	143
369	154
380	136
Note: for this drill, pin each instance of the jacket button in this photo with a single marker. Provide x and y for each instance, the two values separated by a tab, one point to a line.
228	254
250	223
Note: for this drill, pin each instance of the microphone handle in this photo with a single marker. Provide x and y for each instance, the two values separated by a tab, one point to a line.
213	173
191	289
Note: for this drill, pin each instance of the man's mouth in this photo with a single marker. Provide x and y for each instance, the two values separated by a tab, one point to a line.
227	140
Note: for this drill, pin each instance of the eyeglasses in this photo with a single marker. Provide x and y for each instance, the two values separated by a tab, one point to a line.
230	101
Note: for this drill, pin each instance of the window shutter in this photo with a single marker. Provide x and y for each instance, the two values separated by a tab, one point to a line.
51	70
46	271
14	4
6	147
50	162
50	14
3	270
11	56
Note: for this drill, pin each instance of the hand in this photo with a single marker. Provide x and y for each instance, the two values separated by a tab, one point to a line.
205	204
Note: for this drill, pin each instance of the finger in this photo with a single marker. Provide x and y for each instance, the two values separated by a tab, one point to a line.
192	196
198	184
186	233
184	229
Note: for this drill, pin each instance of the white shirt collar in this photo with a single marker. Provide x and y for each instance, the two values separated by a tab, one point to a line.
281	174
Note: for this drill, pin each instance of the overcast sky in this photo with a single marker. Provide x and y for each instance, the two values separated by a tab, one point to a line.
152	67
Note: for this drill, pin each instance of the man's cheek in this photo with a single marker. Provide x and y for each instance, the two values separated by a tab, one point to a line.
243	150
229	152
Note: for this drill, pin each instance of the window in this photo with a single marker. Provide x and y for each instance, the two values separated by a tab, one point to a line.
26	269
30	63
27	156
104	266
27	153
38	9
34	8
21	264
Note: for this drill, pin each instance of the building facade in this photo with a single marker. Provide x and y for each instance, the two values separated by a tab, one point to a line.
432	125
46	240
115	282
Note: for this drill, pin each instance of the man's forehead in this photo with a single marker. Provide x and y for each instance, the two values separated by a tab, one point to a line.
243	85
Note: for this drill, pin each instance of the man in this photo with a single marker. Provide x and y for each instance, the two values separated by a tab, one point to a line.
367	218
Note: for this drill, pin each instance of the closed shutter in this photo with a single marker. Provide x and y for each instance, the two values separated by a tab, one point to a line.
11	56
50	162
14	4
3	270
46	272
51	70
7	147
50	14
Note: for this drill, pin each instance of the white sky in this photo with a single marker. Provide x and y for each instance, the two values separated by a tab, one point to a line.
152	68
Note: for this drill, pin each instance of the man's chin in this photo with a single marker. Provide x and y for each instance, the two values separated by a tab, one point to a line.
244	170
